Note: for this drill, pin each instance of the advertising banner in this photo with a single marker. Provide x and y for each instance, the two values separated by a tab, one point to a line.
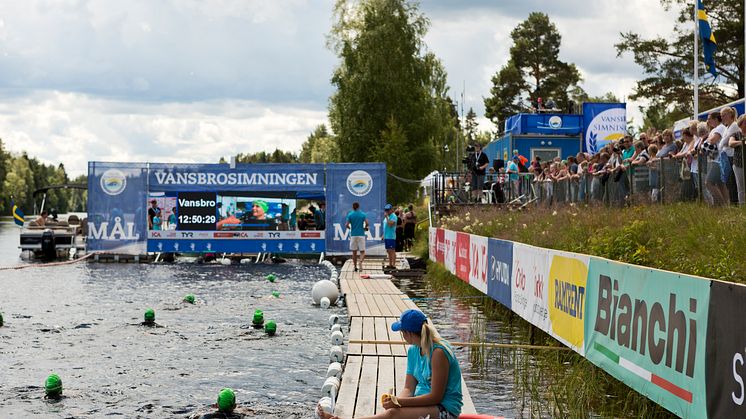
568	274
364	183
450	251
529	291
440	249
462	256
432	243
117	219
726	351
478	262
647	328
499	270
172	177
603	123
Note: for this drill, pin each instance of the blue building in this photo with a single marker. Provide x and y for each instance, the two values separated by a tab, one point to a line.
546	135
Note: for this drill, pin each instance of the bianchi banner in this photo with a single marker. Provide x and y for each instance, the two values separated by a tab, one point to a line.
647	328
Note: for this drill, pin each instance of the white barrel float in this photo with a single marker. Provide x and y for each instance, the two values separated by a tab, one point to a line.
246	261
335	354
336	327
334	370
225	261
331	385
325	303
324	288
337	338
333	319
326	405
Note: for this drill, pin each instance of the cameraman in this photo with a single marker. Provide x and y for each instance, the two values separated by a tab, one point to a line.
478	165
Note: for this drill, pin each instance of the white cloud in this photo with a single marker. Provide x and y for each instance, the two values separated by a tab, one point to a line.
75	128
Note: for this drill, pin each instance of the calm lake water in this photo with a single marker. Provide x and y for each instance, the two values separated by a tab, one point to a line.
81	322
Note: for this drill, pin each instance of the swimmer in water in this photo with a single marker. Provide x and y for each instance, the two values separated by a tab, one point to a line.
227	408
149	319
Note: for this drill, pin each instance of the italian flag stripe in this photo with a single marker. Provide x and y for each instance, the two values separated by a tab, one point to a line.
643	373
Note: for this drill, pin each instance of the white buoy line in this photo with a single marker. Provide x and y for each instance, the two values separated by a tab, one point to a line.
325	293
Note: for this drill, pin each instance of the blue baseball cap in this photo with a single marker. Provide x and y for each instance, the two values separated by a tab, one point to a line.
410	321
387	207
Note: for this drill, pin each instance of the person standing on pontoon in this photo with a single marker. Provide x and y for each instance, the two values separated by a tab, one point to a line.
357	222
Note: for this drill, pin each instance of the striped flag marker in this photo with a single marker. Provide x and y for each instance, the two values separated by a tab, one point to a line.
643	373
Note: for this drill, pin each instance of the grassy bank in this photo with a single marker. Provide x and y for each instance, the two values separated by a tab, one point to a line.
688	238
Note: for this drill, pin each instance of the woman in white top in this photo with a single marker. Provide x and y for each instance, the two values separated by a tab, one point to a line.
714	184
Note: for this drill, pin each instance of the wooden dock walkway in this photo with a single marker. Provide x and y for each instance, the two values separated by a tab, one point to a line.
373	369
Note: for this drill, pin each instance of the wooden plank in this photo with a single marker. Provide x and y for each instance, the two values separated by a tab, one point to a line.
389	310
468	407
372	305
400	373
366	398
348	389
369	333
352	306
396	350
381	334
344	285
356	332
385	379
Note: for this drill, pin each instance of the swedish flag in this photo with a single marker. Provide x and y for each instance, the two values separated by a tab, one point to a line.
709	45
17	213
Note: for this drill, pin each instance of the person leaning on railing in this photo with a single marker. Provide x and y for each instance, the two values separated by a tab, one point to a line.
713	182
685	156
736	142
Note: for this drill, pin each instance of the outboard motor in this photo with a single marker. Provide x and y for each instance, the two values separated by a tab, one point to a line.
48	248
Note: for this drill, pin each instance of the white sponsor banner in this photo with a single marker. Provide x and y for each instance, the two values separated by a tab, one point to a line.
478	262
432	243
530	288
450	251
236	235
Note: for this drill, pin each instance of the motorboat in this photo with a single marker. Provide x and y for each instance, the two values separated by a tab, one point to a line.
57	236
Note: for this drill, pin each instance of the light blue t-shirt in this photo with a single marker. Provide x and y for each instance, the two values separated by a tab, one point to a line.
512	167
356	218
419	367
389	231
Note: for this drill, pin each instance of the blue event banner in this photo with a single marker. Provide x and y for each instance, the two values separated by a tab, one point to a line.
603	123
245	177
346	183
500	270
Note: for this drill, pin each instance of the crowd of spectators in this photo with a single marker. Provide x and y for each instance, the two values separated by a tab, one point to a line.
706	162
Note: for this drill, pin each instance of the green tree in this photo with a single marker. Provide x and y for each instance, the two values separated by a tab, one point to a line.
394	143
667	60
277	156
534	70
384	73
5	158
471	126
320	147
19	182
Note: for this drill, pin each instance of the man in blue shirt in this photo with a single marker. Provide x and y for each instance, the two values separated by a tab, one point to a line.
357	222
389	234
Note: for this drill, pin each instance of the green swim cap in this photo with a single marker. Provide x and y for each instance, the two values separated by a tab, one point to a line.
189	298
53	386
258	317
262	204
149	315
270	327
271	277
226	400
275	294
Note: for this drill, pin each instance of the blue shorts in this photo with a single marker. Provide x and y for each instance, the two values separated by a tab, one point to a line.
389	243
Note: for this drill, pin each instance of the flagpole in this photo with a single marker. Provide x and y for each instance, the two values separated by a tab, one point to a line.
696	62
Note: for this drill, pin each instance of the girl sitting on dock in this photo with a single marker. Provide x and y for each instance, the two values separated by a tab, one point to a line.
433	385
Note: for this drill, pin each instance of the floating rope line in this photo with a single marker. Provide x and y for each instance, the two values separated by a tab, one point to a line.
405	180
469	344
47	265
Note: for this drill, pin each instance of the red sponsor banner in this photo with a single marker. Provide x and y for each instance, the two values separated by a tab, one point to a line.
219	235
310	234
440	250
462	256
